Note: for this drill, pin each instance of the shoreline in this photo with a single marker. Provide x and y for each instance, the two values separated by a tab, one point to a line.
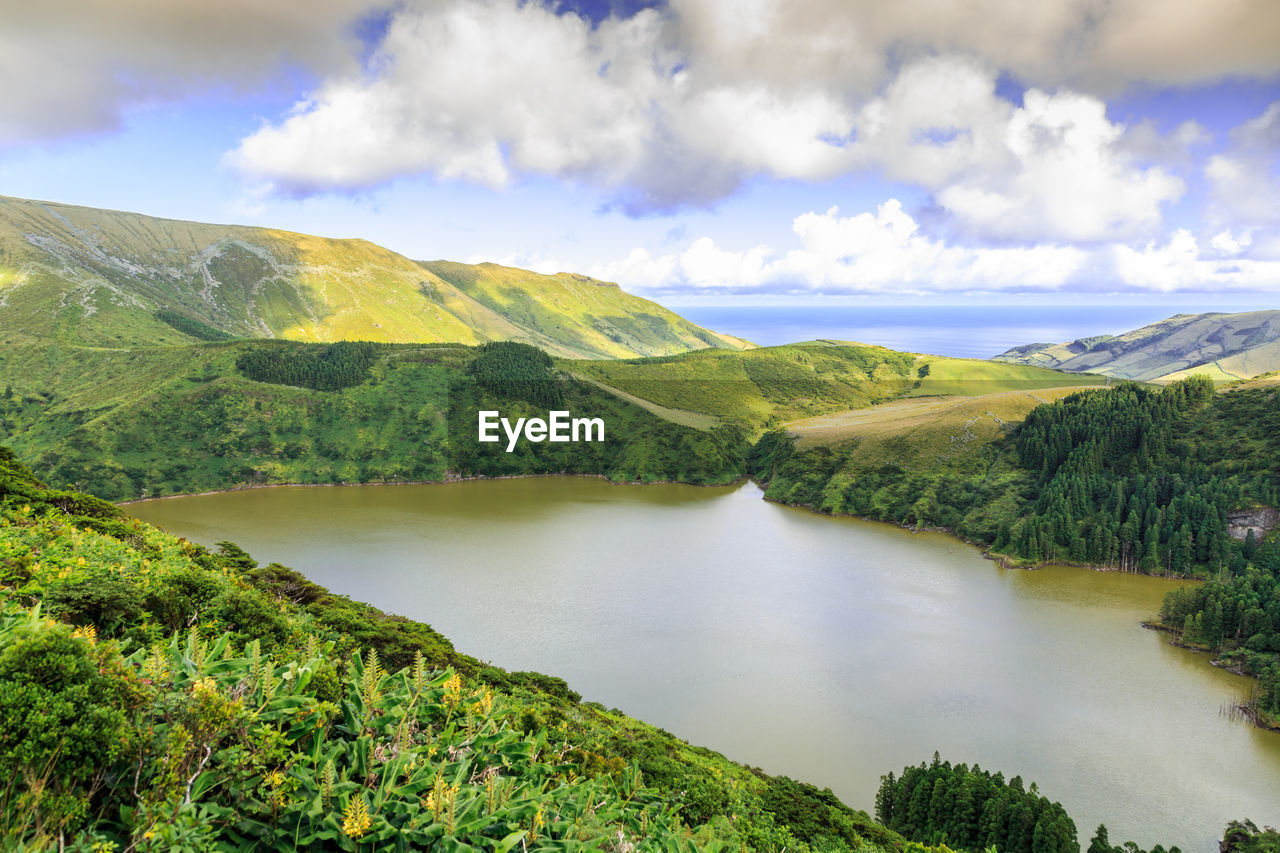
1001	560
447	480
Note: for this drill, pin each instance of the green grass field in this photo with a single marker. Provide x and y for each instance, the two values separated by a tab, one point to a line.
971	377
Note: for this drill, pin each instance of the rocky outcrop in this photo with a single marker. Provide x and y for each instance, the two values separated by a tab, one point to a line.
1260	520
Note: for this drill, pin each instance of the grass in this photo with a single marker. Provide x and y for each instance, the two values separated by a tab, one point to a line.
770	386
696	420
89	277
761	387
970	377
920	430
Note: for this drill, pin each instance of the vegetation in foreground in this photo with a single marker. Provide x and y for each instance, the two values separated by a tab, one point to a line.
158	696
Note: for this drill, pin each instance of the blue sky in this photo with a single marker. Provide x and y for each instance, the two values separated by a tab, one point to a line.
716	150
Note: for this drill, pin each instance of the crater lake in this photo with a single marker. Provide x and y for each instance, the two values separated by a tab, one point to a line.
828	649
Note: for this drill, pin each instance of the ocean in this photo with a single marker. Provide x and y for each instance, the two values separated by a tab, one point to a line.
967	331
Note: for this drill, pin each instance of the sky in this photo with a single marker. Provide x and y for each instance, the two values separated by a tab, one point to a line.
785	151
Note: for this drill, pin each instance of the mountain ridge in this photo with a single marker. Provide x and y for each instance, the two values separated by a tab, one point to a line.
89	276
1225	347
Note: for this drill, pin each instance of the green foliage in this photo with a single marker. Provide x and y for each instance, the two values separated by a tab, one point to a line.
518	372
413	419
320	368
972	810
1243	836
189	326
63	722
254	709
1100	843
1105	477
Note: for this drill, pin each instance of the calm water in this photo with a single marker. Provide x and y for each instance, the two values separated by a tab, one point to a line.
831	650
962	331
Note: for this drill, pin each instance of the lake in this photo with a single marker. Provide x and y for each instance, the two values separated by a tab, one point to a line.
828	649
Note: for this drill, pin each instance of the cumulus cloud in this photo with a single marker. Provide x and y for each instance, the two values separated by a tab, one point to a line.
1086	44
1053	168
75	66
656	110
1180	264
485	89
885	252
680	105
1244	182
880	252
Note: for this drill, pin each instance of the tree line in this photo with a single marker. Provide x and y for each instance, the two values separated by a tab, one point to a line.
320	368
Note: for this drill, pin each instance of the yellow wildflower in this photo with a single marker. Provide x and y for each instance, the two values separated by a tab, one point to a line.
355	819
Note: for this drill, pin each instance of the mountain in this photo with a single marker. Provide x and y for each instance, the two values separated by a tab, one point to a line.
90	277
1224	347
255	412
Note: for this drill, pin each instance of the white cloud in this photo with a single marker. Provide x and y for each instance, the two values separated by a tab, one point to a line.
885	252
75	66
1244	181
682	105
1228	244
662	110
1055	168
486	89
881	252
1180	264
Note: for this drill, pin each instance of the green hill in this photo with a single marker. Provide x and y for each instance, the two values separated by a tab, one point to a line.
1223	347
253	412
102	278
249	412
771	386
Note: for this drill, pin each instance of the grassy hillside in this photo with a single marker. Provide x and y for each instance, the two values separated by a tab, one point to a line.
1223	347
568	314
89	277
770	386
916	430
969	377
89	417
